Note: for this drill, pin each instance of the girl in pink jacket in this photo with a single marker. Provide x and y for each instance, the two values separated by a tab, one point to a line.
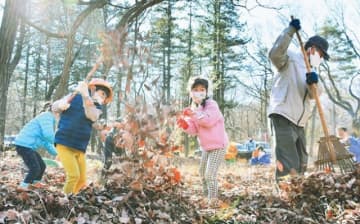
205	120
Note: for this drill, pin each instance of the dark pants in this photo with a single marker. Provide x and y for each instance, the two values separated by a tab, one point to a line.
290	147
109	148
34	162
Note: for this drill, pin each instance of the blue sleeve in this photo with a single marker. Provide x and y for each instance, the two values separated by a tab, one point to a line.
47	126
51	149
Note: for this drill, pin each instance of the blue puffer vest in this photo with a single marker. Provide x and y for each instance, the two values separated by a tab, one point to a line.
74	128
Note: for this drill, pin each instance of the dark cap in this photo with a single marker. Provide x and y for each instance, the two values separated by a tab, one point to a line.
320	43
200	81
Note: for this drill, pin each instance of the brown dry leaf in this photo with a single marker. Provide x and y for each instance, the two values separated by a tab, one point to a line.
11	215
136	185
227	185
223	205
148	164
175	175
24	196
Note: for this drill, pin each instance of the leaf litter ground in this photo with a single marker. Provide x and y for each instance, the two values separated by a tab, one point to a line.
168	190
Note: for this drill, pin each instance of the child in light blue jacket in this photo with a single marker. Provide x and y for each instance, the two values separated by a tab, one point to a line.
37	133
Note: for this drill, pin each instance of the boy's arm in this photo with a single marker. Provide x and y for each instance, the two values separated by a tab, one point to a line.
92	111
61	104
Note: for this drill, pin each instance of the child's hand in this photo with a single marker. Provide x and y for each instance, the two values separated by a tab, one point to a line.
63	104
83	89
188	111
182	123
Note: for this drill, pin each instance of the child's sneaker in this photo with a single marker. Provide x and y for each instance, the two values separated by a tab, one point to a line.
23	187
38	184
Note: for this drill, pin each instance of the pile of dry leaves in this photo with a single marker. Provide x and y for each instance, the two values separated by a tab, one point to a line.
133	192
317	198
150	189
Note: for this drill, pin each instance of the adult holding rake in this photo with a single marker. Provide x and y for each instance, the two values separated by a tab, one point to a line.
290	108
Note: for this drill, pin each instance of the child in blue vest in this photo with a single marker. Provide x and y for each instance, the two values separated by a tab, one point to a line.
37	133
78	113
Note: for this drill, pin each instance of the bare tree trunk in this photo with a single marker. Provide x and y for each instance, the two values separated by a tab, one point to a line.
119	94
168	53
37	80
63	85
9	25
25	86
48	67
189	73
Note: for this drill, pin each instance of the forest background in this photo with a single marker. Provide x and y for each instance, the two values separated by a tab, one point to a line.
46	47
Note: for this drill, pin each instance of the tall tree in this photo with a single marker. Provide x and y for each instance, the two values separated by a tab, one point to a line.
8	30
226	34
346	72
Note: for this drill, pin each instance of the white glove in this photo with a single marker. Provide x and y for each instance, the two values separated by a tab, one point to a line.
83	88
63	104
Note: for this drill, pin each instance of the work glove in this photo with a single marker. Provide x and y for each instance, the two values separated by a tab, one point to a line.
182	123
295	23
188	111
312	77
63	104
83	88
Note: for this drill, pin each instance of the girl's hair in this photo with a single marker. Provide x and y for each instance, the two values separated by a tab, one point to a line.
200	81
195	81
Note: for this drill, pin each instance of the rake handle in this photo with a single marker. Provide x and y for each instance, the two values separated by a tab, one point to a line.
314	92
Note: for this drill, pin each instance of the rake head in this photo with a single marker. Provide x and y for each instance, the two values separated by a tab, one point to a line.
333	156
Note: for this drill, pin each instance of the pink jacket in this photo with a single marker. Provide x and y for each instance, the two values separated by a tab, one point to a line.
208	125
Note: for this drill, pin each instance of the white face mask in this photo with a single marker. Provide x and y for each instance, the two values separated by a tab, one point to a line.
98	99
197	96
315	59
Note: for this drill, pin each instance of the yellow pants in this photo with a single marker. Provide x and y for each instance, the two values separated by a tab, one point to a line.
74	164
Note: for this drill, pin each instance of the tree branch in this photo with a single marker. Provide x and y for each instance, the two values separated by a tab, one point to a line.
42	30
258	4
353	94
337	99
85	13
19	47
135	11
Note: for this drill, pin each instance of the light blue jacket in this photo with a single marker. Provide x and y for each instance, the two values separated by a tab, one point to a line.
354	148
38	133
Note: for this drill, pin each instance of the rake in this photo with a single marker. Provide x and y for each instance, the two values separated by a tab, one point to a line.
332	155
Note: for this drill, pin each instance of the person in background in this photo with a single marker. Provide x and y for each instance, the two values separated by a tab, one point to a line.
78	114
205	120
289	106
36	134
109	143
352	143
260	157
250	144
